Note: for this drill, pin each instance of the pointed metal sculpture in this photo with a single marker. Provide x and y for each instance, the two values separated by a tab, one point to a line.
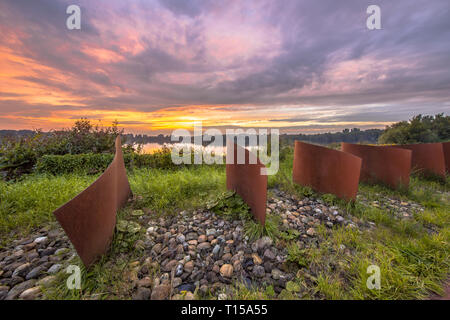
89	218
391	166
326	170
246	179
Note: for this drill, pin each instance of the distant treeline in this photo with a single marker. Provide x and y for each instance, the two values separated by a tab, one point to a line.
354	135
347	135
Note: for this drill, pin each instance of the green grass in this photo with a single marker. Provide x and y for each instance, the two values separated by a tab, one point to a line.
239	291
165	191
30	202
255	230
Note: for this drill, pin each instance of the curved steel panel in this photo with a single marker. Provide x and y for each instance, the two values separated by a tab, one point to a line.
247	181
446	148
391	166
428	158
326	170
89	218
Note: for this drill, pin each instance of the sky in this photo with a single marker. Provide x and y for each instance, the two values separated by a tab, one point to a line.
155	65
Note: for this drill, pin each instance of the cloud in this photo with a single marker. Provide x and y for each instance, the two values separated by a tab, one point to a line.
144	56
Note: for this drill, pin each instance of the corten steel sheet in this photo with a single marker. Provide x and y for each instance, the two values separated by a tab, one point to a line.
446	148
247	181
391	166
326	170
89	218
427	158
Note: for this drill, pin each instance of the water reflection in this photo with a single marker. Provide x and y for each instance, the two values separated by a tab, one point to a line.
154	147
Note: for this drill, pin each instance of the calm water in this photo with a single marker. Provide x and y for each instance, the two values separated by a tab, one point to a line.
153	147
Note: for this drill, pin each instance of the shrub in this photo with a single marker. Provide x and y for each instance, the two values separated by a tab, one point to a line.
19	154
97	162
77	163
420	129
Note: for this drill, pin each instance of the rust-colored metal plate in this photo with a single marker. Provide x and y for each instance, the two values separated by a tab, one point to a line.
446	149
89	218
326	170
247	181
391	166
427	158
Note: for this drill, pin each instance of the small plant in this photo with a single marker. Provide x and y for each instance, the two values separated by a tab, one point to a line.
290	234
304	191
329	198
255	230
231	205
297	255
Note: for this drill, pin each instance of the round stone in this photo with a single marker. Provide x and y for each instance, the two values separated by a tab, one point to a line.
226	271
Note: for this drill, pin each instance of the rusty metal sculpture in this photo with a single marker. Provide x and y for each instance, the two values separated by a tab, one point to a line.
246	179
391	166
326	170
427	158
446	149
89	218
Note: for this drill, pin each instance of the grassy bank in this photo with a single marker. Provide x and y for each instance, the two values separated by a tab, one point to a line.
412	254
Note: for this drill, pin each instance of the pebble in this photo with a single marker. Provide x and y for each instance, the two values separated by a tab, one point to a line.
181	238
142	294
160	292
30	294
40	240
189	266
226	270
35	272
259	271
19	288
204	246
256	259
54	268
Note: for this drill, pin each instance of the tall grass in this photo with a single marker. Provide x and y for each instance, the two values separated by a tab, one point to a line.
166	191
31	201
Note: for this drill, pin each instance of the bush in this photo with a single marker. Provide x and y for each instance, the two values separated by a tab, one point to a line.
420	129
77	163
97	162
19	154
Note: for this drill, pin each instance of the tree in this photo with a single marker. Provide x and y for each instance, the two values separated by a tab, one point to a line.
420	129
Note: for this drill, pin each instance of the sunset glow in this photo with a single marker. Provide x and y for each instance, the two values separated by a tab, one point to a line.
300	66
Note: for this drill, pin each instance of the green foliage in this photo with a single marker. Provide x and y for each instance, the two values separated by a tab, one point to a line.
255	230
290	234
174	190
354	135
420	129
18	155
31	201
329	198
98	162
74	163
297	255
239	291
230	205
